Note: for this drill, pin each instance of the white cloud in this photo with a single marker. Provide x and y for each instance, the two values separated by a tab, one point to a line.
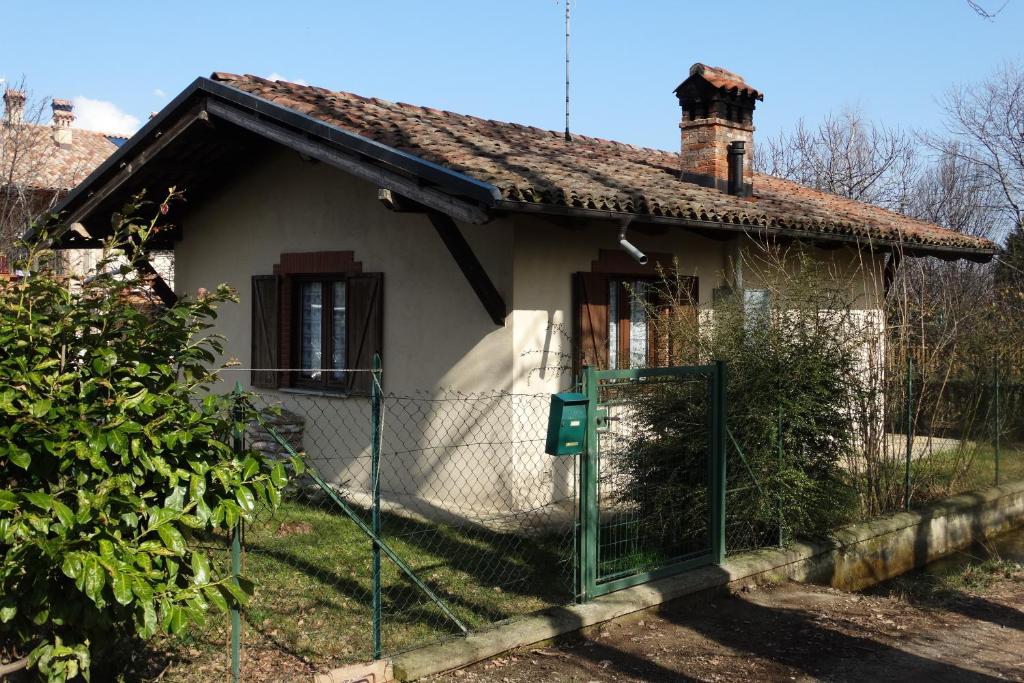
278	77
158	92
104	116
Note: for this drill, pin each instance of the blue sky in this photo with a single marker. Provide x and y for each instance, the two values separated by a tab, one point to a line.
504	60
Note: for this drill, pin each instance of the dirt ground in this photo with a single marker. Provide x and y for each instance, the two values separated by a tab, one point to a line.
796	632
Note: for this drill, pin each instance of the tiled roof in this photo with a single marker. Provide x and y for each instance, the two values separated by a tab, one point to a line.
538	166
41	164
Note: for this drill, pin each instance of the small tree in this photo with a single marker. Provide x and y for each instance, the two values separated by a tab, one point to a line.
114	459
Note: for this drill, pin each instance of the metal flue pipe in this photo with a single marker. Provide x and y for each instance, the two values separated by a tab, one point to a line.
638	256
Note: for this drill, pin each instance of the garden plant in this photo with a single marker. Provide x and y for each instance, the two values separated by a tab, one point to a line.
115	458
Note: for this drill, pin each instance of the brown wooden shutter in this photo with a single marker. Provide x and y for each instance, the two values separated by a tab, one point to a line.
659	328
265	331
364	333
683	322
591	327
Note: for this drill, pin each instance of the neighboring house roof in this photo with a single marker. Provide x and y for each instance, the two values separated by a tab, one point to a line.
533	165
30	157
477	166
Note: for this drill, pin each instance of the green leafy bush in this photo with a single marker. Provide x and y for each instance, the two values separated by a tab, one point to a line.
115	459
794	359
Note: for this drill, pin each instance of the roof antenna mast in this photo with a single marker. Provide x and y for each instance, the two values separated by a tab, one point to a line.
568	137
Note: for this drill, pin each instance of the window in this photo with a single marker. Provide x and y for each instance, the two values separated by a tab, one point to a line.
315	320
628	309
321	330
756	307
613	324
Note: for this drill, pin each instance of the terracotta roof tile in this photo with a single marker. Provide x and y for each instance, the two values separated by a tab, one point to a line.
531	165
720	78
41	164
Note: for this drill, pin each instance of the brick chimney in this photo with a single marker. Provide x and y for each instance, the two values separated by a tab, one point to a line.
718	110
14	106
62	119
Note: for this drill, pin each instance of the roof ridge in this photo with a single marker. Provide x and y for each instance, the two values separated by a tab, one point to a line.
225	76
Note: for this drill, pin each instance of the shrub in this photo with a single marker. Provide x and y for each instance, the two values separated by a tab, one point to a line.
794	363
115	459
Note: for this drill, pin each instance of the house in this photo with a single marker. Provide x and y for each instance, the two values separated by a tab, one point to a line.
472	254
39	164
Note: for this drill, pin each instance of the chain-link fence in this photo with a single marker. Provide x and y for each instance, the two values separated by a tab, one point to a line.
476	524
921	435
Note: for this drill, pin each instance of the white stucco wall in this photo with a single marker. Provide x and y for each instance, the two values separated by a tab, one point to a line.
437	335
545	258
472	456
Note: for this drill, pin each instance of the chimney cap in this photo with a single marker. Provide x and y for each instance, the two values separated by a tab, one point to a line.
720	79
14	106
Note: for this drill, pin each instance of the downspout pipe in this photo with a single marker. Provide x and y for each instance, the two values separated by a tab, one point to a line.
627	246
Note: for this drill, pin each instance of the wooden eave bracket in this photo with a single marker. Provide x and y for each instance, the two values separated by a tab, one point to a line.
160	286
470	266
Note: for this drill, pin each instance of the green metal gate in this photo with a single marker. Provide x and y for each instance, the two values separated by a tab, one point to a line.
652	479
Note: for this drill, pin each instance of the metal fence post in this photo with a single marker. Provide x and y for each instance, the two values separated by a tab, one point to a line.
236	548
778	438
588	510
996	372
719	427
375	417
910	430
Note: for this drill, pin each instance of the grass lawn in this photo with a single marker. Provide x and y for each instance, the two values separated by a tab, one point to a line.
968	468
311	608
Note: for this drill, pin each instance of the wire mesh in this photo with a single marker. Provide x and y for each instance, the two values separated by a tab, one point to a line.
487	521
922	430
468	501
654	473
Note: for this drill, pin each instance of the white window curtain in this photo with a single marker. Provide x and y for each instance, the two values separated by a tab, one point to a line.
637	324
310	353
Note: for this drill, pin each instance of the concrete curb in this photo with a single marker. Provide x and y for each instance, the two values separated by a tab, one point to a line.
856	556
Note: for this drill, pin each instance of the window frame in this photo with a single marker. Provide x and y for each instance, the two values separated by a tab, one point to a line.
624	325
325	382
591	341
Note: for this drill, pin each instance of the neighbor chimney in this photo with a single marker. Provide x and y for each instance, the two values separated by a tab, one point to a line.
62	118
718	110
14	106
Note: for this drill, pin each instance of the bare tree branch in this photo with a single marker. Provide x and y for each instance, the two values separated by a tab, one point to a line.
845	155
985	130
985	13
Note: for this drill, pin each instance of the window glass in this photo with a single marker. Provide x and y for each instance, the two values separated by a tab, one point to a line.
338	329
637	324
613	324
310	352
756	306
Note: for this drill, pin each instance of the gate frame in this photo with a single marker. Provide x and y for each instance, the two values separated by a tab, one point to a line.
589	514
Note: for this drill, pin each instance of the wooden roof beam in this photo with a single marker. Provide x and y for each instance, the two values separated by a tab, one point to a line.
470	266
383	178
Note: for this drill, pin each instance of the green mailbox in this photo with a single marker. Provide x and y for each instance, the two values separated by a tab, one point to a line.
567	424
